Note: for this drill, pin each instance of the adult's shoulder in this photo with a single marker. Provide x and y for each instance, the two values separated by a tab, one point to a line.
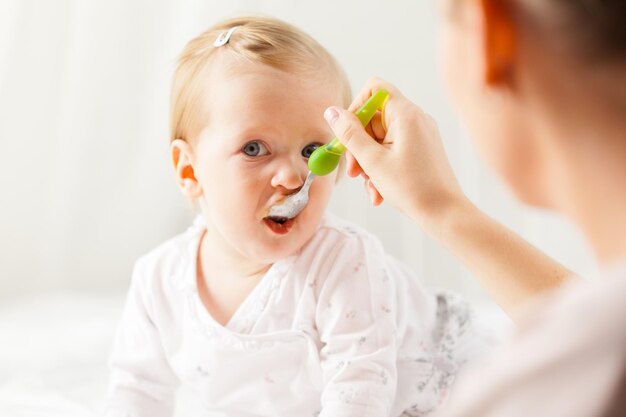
588	307
595	309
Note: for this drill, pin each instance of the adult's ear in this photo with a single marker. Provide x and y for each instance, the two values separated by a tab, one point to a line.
499	38
182	158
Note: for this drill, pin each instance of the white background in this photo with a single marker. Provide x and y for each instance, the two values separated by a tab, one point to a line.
86	185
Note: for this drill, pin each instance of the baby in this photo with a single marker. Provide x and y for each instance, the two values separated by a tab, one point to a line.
262	316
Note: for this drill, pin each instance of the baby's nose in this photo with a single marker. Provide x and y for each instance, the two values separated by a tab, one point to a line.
289	176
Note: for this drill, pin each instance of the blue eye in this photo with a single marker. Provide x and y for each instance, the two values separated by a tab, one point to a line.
308	149
254	148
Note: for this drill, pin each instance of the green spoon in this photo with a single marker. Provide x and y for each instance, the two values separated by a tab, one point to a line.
325	159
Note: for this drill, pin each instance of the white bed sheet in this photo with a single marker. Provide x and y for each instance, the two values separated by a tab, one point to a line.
53	353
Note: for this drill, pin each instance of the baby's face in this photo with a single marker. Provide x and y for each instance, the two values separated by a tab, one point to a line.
260	126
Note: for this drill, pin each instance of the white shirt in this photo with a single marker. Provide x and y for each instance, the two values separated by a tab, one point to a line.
337	329
567	359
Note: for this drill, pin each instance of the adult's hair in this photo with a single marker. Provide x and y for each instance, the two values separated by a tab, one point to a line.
587	29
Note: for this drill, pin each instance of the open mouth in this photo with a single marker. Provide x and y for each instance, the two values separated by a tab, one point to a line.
278	224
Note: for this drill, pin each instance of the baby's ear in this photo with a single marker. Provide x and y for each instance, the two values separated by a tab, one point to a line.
182	158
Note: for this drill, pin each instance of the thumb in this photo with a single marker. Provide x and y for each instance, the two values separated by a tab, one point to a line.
352	135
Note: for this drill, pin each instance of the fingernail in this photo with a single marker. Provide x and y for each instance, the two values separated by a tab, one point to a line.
331	115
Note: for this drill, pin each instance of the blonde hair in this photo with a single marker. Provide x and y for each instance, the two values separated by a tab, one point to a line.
262	40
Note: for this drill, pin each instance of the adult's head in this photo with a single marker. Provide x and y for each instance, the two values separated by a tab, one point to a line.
541	85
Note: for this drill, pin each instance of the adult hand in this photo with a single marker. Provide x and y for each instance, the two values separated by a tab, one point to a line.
402	160
406	163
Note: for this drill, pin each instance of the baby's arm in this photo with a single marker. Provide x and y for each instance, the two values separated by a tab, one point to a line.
357	327
141	382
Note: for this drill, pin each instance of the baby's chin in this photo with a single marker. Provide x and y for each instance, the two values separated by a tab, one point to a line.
274	251
271	256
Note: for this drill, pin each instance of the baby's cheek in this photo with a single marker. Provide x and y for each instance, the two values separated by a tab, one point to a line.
234	203
323	190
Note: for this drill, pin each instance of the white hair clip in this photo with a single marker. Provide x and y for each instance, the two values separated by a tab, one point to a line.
224	37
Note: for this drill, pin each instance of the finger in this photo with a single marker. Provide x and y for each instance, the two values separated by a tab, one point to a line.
377	127
371	86
348	129
352	165
375	198
360	99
